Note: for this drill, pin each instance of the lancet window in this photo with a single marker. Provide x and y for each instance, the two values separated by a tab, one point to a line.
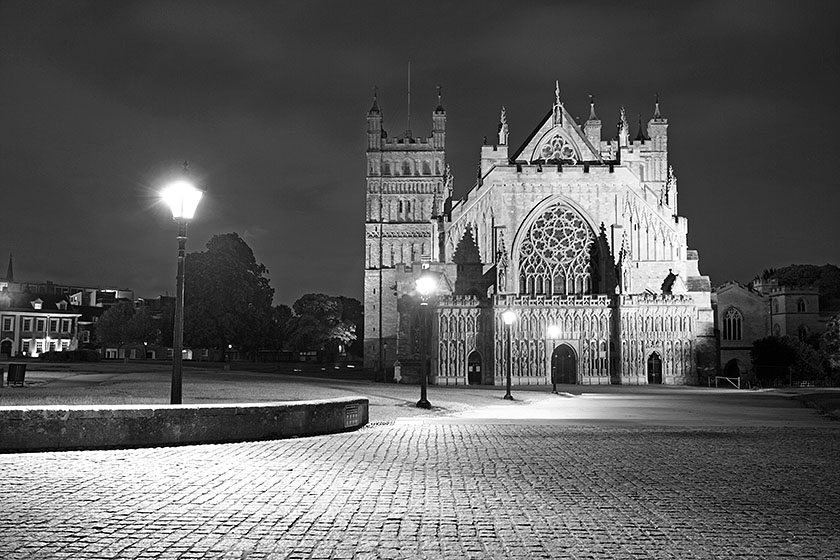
732	322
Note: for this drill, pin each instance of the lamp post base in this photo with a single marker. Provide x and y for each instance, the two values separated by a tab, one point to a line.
508	397
423	403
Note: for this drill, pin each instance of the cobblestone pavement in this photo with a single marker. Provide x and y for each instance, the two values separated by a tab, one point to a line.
437	489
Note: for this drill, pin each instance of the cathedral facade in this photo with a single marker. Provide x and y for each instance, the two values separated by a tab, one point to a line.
577	237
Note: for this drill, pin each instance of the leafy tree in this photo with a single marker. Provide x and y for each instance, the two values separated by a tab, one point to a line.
785	358
323	322
122	324
227	297
830	346
142	327
113	328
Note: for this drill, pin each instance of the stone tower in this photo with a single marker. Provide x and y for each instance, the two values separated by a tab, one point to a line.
407	188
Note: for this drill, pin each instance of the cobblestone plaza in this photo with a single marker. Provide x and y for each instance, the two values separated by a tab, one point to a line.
439	488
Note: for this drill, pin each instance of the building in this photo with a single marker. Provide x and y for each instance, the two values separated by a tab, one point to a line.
761	309
31	324
579	236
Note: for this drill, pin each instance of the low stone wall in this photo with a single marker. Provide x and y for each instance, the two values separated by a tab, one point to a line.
94	427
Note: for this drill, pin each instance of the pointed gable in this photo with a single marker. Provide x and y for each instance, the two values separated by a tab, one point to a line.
557	138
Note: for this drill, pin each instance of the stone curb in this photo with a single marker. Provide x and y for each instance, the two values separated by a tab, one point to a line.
53	428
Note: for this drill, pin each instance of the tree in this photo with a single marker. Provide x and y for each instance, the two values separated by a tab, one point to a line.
113	329
830	347
786	359
122	324
323	323
227	297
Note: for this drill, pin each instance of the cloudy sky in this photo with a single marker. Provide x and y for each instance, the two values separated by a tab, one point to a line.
101	102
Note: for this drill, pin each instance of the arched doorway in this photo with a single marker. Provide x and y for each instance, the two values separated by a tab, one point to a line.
563	365
654	369
474	368
6	349
733	368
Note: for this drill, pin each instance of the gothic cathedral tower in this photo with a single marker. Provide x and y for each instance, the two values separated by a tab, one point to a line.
407	187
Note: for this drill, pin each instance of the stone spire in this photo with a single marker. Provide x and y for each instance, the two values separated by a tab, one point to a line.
375	107
10	271
641	136
623	129
592	115
558	104
656	113
503	128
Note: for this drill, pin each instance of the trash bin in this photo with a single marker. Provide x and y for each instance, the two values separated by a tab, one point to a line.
16	374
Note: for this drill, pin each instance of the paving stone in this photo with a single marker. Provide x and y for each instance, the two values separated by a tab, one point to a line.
437	490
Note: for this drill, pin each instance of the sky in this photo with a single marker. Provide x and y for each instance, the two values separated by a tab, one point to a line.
101	103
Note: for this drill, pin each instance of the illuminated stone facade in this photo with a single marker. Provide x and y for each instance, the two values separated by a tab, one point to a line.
579	236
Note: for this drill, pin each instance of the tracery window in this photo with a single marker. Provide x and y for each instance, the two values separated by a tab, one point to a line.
554	254
406	170
558	148
732	323
800	305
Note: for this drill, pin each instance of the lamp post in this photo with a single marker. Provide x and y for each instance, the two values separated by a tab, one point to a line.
553	334
509	318
182	198
426	286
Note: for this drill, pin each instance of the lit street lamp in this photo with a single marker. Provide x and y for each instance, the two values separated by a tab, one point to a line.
426	286
182	198
509	318
553	334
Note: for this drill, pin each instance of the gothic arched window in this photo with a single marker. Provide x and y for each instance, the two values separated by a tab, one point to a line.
406	169
427	170
800	306
387	168
554	255
775	306
732	323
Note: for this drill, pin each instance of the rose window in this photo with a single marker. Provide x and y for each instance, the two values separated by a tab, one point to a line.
554	256
558	149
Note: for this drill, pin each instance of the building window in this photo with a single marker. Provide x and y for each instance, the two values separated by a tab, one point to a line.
555	254
803	333
427	169
800	305
85	337
65	345
53	325
775	306
66	325
24	347
27	324
387	170
406	170
40	325
8	322
732	321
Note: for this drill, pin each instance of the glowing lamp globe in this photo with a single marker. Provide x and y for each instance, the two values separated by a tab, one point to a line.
426	285
182	198
509	317
553	331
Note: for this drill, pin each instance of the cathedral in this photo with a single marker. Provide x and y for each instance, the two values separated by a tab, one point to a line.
566	261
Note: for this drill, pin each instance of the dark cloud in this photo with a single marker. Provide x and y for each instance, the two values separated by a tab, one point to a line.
101	102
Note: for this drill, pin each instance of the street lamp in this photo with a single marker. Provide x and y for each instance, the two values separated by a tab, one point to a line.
426	286
182	198
553	334
509	318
